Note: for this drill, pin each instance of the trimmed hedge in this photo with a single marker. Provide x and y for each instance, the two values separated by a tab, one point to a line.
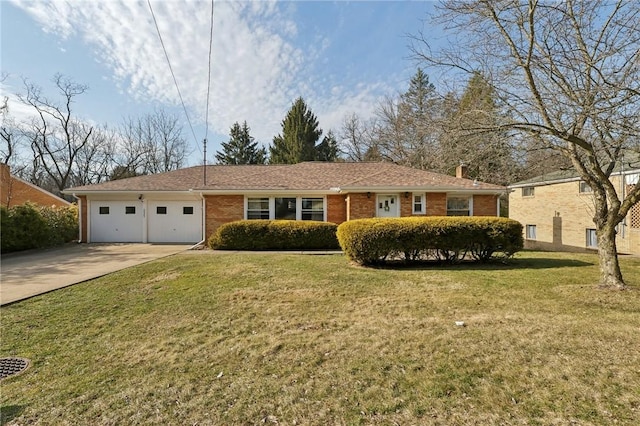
275	235
31	226
414	239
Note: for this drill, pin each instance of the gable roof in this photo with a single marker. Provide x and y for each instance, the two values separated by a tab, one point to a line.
15	190
306	176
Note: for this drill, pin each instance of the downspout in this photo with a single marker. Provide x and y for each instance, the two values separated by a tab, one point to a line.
79	217
204	224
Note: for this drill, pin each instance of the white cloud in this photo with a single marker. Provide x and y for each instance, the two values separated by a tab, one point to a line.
258	67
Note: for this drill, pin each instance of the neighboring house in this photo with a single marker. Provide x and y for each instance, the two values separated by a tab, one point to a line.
556	211
184	206
15	191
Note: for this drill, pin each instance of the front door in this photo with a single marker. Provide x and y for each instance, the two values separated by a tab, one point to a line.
388	206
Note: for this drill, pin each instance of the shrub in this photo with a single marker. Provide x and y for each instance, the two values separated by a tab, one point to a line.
275	235
31	226
450	239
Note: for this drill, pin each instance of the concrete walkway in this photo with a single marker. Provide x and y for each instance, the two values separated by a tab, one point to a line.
23	275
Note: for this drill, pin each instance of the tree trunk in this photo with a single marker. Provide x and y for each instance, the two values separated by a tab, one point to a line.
610	275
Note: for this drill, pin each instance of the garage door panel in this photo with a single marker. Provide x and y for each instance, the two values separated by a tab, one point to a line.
116	222
174	221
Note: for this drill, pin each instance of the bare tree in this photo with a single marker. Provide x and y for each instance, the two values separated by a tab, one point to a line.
356	139
152	143
567	73
56	135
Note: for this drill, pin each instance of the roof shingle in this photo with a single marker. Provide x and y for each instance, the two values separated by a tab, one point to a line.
309	176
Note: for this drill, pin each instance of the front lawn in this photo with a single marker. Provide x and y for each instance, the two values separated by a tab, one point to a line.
225	339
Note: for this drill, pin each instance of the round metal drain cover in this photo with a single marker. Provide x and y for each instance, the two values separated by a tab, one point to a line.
11	366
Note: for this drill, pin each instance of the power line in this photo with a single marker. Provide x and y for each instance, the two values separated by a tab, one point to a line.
206	118
166	55
206	114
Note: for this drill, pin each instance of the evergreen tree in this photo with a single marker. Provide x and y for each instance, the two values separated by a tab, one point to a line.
489	155
300	133
241	148
408	132
327	150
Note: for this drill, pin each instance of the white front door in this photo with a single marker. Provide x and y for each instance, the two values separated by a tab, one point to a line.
388	206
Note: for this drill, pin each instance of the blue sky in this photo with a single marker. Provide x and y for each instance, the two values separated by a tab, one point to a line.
341	57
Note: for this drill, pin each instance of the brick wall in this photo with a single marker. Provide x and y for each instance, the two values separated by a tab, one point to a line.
15	192
406	204
562	216
485	205
336	208
436	204
84	217
222	209
359	206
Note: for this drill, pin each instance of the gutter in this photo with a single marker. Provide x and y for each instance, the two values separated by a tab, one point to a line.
441	189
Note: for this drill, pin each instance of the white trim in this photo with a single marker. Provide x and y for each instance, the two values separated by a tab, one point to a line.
272	204
469	197
423	202
427	189
145	220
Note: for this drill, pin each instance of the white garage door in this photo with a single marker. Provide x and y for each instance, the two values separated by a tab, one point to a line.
116	222
174	221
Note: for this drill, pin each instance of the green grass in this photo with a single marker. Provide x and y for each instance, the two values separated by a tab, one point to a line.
271	338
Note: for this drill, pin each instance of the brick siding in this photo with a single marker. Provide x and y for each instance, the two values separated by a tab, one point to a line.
222	209
485	205
336	208
15	192
359	206
436	204
82	206
562	215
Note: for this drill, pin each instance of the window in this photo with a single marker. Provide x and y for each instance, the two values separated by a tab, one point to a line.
161	210
419	204
258	208
528	191
458	206
286	208
312	209
592	239
187	210
130	210
289	208
584	187
531	232
104	210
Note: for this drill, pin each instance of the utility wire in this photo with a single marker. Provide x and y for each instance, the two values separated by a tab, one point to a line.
166	55
206	117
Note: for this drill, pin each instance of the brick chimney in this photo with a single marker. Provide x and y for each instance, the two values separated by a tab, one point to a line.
462	171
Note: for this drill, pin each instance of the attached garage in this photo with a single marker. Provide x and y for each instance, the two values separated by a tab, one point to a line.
142	218
174	221
116	221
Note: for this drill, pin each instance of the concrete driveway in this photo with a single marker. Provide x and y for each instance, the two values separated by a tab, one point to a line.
24	275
